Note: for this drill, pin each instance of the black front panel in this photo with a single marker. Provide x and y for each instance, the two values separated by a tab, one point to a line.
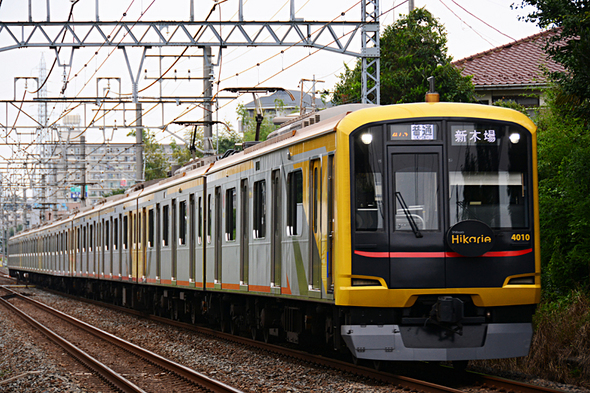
412	181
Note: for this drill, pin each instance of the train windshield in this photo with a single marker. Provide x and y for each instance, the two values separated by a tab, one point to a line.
368	180
487	174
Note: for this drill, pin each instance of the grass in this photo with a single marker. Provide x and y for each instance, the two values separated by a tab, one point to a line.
560	350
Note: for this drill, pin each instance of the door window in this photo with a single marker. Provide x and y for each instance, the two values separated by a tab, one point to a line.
416	191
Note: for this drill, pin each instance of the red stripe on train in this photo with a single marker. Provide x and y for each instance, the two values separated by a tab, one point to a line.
438	254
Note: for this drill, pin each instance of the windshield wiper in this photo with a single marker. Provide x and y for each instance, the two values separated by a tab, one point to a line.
413	225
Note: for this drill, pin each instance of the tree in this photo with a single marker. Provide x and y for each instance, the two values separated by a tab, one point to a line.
117	191
564	197
156	164
412	49
226	140
570	48
249	123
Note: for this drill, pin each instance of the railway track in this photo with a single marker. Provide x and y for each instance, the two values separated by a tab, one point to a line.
125	366
439	379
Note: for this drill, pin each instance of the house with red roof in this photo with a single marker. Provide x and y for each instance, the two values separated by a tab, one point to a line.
515	71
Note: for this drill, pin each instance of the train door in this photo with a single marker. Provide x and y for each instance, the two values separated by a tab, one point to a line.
330	217
158	244
192	243
416	238
142	245
276	228
315	241
174	242
244	232
134	246
218	231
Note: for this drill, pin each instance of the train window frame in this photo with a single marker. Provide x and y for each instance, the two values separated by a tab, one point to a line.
259	202
294	226
231	214
166	225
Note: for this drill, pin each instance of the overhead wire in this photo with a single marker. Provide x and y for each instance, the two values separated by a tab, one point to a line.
467	24
482	21
188	110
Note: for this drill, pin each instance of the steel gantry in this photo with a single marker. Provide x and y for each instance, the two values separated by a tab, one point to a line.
339	36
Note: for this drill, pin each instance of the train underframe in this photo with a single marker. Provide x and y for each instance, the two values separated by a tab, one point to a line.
436	328
258	316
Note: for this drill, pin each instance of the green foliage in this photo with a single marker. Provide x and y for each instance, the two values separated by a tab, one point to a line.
227	139
511	105
564	197
181	153
114	192
412	49
249	122
570	48
156	165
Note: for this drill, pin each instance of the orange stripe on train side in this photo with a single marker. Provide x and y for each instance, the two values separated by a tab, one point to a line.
183	283
259	288
439	254
230	286
287	290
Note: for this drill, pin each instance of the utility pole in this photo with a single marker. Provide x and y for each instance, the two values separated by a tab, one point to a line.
83	161
138	145
314	81
208	93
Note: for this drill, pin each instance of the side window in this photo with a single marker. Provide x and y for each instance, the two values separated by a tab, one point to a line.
90	238
260	209
115	234
125	232
230	214
183	220
165	225
84	238
294	203
151	228
200	221
209	218
107	231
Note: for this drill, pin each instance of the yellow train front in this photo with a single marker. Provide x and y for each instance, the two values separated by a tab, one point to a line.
436	234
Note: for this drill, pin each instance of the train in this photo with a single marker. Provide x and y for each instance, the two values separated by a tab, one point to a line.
405	232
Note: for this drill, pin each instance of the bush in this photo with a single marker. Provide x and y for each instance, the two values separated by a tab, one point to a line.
560	350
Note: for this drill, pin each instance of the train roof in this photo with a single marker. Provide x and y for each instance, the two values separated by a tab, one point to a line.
345	118
430	110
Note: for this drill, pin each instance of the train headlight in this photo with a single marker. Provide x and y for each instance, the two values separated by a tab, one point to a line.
367	138
514	137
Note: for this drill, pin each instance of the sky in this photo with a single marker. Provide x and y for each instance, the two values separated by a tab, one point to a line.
472	27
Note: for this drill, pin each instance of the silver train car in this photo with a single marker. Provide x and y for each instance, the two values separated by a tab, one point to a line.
304	237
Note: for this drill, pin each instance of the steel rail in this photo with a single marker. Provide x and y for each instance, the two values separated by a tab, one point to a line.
112	377
473	378
180	370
